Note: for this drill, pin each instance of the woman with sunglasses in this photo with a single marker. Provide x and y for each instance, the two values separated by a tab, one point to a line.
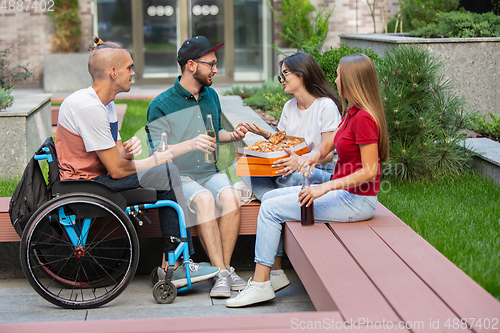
362	143
312	114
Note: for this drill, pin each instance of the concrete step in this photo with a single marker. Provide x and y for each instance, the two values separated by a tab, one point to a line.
487	162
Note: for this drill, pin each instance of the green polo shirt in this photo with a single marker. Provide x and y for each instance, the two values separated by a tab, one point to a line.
178	113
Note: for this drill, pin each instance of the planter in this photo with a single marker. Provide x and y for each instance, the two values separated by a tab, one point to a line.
487	160
24	127
472	64
66	72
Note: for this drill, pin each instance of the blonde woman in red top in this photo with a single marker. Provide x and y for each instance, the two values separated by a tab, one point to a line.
361	141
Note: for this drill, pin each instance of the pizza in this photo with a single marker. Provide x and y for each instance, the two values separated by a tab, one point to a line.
268	147
277	137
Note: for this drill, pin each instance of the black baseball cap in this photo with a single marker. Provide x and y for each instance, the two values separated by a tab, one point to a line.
194	48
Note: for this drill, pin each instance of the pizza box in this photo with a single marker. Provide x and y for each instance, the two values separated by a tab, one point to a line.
243	169
246	159
275	154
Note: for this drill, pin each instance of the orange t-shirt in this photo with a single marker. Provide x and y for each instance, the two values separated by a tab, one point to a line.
84	126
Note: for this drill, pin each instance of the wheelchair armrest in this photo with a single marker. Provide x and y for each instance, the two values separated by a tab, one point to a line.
139	196
89	186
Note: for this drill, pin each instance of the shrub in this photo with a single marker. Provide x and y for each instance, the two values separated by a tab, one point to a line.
6	99
424	118
300	29
9	76
329	60
276	103
462	24
243	92
68	25
489	127
416	14
269	97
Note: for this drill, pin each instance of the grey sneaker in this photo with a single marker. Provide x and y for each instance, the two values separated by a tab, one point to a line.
222	285
197	273
237	283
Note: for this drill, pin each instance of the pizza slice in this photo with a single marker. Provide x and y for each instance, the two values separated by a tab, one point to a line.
277	137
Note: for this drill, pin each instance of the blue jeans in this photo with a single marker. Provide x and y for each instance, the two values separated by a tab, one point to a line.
262	185
281	205
166	181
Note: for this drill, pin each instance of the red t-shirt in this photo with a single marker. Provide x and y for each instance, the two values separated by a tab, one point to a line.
357	127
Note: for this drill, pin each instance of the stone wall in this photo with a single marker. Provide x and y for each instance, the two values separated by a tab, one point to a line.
25	126
31	32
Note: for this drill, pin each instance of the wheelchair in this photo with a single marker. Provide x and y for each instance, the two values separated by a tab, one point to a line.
80	249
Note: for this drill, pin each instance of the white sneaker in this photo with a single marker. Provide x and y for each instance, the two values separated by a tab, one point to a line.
237	283
251	295
279	281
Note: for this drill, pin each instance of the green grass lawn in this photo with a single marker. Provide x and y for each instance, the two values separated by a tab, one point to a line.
460	217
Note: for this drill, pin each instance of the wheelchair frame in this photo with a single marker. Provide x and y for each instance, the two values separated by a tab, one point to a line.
55	254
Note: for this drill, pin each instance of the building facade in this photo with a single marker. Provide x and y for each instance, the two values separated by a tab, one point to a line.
153	30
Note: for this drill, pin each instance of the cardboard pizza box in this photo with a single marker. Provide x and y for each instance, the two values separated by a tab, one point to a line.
247	159
275	154
243	169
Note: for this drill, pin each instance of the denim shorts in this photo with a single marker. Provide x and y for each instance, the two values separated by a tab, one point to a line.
215	185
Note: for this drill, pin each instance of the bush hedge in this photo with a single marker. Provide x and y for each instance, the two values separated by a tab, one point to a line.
488	127
461	24
329	60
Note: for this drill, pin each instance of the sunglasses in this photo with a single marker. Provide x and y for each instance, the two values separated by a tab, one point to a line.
282	76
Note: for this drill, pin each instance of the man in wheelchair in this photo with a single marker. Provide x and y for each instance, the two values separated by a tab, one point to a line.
89	146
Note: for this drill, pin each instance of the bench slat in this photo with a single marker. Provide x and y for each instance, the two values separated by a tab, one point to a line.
462	294
336	279
7	232
411	298
248	225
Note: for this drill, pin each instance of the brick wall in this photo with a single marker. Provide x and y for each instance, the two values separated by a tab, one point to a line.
30	31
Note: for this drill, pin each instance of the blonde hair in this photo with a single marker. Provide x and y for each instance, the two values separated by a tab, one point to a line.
359	81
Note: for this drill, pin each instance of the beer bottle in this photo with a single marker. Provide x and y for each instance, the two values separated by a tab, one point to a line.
306	213
163	142
210	131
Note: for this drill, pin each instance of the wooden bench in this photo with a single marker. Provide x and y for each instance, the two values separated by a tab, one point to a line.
248	225
380	270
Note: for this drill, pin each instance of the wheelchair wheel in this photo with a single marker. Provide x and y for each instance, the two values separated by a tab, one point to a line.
164	293
79	251
154	275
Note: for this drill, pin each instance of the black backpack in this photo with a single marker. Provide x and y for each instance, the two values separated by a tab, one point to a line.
32	191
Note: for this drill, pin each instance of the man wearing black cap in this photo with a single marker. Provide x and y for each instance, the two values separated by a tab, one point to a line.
181	112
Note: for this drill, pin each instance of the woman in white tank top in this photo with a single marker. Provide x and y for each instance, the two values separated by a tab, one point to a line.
312	114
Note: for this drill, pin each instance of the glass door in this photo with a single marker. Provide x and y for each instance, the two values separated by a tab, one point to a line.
206	18
160	31
249	38
114	22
